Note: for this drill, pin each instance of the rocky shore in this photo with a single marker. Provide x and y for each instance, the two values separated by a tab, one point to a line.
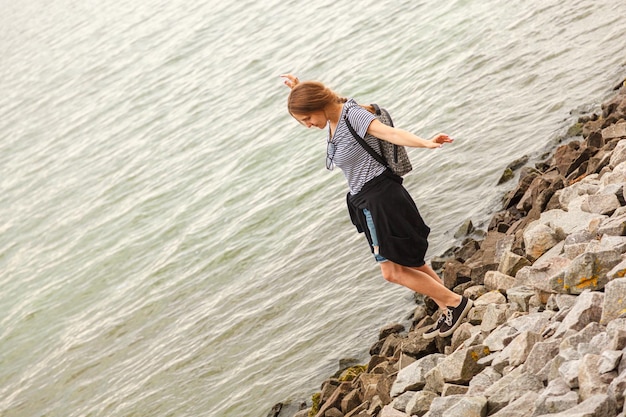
547	333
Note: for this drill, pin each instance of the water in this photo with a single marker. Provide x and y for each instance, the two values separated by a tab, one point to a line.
170	242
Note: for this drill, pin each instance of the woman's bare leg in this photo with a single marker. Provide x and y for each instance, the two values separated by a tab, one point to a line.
422	280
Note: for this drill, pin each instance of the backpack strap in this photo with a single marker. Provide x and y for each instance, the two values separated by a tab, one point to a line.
364	144
379	112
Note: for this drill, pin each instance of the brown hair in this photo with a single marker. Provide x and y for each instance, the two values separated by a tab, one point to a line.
307	97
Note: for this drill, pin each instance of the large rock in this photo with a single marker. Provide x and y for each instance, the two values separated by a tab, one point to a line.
615	225
569	157
453	389
518	350
469	407
402	400
600	160
615	106
440	406
495	280
524	406
511	262
544	274
608	243
583	336
587	309
610	359
498	339
576	244
587	271
521	296
616	330
560	302
596	406
494	315
511	387
483	380
335	399
600	204
590	381
485	259
567	222
515	195
614	300
368	385
555	398
568	371
571	198
533	322
415	346
617	389
389	411
619	153
616	176
420	403
460	366
538	239
463	333
596	345
455	273
541	354
492	297
351	401
540	191
413	377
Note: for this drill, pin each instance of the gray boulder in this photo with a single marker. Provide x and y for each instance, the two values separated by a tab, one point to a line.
469	407
590	381
460	366
596	406
587	309
420	403
542	274
413	377
587	271
600	204
555	398
614	300
522	407
511	387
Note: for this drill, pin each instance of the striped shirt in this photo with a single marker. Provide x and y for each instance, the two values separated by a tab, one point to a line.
357	164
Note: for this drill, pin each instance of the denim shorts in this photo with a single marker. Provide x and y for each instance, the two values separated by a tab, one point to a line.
370	226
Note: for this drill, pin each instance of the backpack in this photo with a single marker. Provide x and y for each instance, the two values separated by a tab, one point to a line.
394	157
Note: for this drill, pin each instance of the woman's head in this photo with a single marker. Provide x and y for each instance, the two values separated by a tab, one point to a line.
310	98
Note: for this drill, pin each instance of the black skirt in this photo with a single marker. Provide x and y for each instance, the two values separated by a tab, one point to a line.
401	231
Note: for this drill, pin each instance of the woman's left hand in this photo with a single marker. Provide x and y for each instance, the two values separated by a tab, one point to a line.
442	138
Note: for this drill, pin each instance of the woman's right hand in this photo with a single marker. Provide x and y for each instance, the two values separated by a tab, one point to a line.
290	80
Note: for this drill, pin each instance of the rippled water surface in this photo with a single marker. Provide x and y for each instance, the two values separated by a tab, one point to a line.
170	242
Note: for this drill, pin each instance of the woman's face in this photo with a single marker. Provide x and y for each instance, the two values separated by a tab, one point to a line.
316	119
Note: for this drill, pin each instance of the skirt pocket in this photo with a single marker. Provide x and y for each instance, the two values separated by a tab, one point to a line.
405	251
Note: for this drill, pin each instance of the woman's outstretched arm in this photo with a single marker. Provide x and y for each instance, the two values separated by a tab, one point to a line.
404	138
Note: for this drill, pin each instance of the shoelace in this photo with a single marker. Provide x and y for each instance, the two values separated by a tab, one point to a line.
449	317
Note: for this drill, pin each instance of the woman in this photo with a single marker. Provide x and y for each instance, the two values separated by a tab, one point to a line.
379	205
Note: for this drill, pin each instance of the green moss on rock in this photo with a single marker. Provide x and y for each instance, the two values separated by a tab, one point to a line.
315	408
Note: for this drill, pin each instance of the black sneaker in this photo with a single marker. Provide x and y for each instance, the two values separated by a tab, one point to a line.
454	315
434	331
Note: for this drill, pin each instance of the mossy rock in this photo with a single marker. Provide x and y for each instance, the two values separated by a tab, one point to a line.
507	175
575	130
352	372
315	408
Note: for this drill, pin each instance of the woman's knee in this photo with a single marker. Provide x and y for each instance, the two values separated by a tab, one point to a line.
390	271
